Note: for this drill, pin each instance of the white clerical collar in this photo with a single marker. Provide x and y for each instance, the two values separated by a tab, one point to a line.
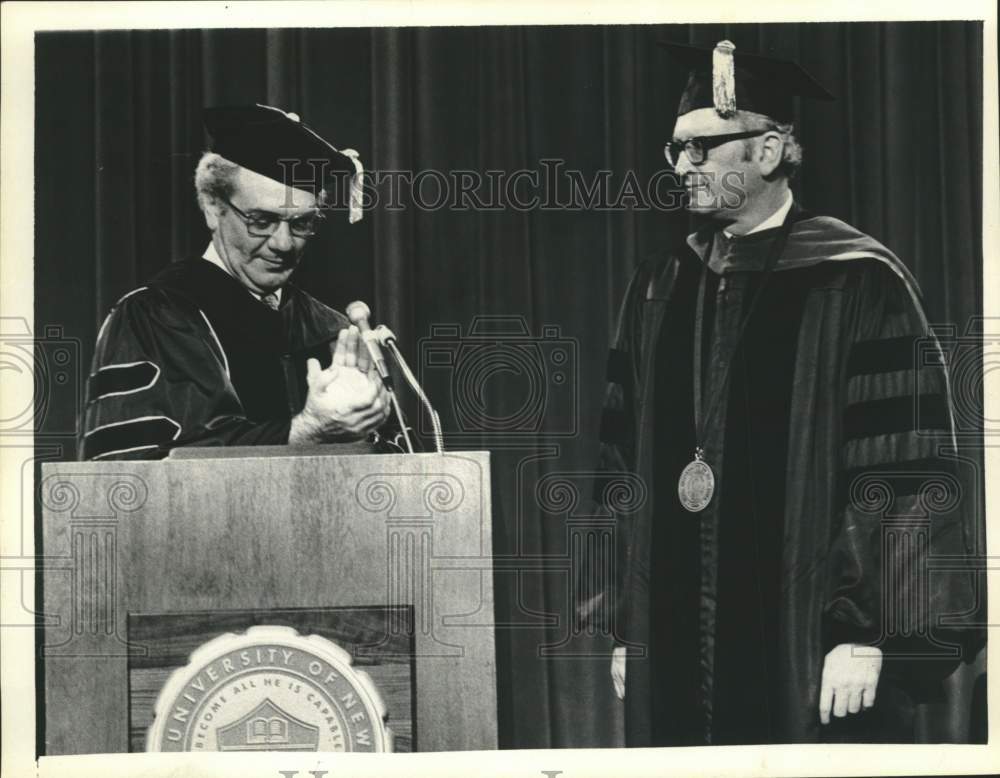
213	256
776	219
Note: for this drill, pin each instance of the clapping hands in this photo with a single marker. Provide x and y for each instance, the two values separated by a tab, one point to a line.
346	401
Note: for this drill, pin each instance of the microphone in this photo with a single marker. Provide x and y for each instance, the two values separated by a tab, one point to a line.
358	312
384	335
387	338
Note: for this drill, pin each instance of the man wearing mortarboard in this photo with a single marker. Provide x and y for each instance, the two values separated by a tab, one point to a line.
765	382
222	349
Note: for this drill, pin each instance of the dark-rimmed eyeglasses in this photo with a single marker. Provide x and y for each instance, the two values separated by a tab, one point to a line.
697	148
263	224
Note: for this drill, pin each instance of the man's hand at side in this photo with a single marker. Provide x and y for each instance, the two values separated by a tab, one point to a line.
850	677
618	671
345	401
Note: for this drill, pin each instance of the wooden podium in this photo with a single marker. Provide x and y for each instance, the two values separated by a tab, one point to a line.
390	556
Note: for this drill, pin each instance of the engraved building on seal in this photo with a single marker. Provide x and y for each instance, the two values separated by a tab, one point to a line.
268	728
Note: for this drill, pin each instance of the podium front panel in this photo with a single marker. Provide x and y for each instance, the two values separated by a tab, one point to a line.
261	534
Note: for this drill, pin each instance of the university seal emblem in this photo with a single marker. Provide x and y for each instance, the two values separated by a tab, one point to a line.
269	689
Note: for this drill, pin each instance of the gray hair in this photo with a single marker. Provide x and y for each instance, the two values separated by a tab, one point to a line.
214	179
791	155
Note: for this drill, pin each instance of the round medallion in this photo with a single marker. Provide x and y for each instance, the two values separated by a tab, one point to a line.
269	689
696	485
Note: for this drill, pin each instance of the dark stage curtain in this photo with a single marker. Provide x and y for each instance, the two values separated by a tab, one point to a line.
118	135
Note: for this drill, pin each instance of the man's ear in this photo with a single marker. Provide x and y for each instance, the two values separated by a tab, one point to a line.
210	207
772	148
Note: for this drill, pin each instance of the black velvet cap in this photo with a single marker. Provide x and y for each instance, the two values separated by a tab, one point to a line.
763	84
269	141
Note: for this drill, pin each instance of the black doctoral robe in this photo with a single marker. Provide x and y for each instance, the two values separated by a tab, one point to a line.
827	444
192	358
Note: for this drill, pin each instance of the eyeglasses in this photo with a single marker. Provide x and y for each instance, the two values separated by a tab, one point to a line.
263	224
697	148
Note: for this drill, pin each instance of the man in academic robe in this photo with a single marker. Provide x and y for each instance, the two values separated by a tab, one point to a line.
775	385
222	349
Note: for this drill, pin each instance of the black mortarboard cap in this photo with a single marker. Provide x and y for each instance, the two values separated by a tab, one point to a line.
267	140
728	80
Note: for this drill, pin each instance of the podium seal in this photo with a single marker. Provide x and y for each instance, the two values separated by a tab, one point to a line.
269	689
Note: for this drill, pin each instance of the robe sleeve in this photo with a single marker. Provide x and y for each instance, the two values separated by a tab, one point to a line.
903	511
159	380
617	451
604	582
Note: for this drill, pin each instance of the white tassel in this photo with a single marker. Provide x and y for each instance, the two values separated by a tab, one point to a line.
724	79
355	210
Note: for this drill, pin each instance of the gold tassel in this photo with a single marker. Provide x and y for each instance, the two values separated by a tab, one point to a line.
355	210
724	79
